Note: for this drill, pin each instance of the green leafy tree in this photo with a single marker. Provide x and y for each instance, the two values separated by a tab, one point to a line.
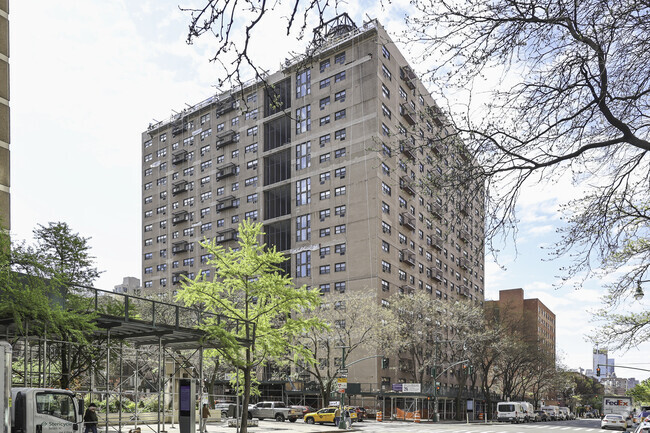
40	294
263	305
641	392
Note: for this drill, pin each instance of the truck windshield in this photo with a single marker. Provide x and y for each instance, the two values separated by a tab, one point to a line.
56	404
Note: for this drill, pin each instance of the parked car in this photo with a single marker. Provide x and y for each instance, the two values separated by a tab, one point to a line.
641	417
361	413
303	409
643	427
273	409
613	421
542	415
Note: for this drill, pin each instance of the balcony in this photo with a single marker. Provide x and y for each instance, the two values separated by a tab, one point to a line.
227	203
406	289
407	220
408	113
226	106
179	187
437	275
463	290
180	247
407	148
225	137
179	157
406	183
178	128
226	171
407	74
180	217
407	256
436	242
177	277
464	236
226	235
464	263
436	211
437	148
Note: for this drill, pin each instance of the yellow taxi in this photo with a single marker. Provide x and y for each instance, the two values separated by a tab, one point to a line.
327	415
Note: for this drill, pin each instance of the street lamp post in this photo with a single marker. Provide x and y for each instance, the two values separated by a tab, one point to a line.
342	425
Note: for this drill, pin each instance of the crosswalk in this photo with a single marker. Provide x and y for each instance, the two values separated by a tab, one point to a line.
471	428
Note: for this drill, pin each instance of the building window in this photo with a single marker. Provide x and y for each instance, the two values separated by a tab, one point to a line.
340	58
324	65
303	83
324	195
303	228
340	172
339	77
385	189
303	119
251	131
339	191
324	269
386	111
385	130
339	249
385	266
340	134
339	115
339	229
251	215
251	198
303	155
385	246
324	251
385	91
324	177
338	153
340	285
324	288
303	191
339	210
385	285
324	139
324	158
385	227
325	82
339	267
324	102
324	120
324	232
303	264
251	148
325	213
386	72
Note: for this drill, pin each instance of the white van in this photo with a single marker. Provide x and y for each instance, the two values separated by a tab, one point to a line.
553	412
529	411
564	413
510	411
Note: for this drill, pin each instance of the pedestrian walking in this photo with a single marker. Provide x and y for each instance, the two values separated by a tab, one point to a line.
90	419
205	414
337	416
348	419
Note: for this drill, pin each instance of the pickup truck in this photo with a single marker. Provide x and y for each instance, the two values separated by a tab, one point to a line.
273	409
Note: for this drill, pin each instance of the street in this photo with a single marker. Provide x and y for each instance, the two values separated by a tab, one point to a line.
576	426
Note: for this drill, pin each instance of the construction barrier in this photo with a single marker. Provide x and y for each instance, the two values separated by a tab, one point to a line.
380	416
480	415
416	416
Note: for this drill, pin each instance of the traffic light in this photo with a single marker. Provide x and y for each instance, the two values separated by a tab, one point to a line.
598	371
433	371
471	369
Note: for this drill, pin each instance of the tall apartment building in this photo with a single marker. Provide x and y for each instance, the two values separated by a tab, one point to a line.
331	156
536	321
5	202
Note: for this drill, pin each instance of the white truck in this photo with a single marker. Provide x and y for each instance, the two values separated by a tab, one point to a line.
36	410
618	405
529	411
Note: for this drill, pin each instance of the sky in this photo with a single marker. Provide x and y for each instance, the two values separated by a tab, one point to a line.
88	77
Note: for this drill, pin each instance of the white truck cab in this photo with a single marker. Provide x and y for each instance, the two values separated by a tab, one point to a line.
44	410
